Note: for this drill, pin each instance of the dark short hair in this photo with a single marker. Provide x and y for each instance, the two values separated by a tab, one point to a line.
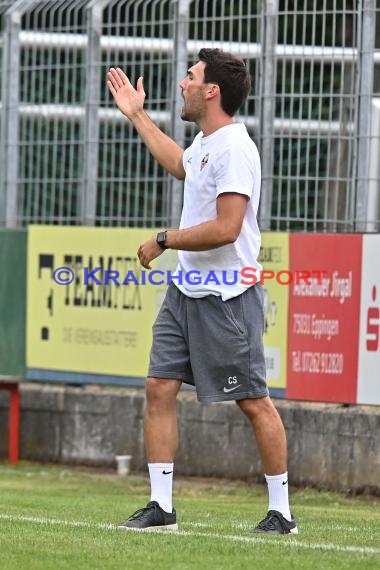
230	73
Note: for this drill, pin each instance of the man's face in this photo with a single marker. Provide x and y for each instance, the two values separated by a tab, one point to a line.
193	93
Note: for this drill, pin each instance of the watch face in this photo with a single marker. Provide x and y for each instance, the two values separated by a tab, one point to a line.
161	238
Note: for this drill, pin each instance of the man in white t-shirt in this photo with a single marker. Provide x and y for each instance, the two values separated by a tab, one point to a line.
209	331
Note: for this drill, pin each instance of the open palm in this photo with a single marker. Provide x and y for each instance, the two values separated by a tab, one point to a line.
129	100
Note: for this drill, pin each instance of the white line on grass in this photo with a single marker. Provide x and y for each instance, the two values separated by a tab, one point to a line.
42	520
288	541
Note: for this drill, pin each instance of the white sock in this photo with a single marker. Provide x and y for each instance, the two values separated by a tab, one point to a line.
278	494
161	484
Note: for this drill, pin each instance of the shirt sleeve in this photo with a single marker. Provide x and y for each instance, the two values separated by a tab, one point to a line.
237	169
185	156
188	151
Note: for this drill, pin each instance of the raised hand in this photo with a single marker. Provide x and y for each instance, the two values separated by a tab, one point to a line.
129	100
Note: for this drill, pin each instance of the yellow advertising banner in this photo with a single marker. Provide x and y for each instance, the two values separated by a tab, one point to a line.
75	324
274	257
82	317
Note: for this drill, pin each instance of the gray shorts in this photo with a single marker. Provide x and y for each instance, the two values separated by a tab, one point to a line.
215	345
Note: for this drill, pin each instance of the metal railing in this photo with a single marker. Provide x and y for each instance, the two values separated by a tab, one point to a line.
68	156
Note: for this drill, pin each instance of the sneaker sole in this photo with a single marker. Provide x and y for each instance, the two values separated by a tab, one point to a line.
160	528
275	533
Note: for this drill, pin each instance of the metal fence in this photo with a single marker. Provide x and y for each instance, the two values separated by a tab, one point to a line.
68	156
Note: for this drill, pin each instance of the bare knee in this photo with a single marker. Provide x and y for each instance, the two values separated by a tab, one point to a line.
255	407
161	393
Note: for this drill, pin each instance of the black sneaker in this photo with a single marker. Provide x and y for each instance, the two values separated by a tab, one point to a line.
276	523
151	517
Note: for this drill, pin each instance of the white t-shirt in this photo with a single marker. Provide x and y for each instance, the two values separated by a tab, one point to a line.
225	161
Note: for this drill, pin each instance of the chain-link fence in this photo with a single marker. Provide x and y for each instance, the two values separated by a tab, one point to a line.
69	157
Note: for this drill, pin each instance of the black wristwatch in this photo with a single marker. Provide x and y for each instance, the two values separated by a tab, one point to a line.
161	239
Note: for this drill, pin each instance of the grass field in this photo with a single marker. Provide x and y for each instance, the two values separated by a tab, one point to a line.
53	518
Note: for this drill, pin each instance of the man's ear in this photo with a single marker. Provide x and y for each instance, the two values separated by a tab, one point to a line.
213	90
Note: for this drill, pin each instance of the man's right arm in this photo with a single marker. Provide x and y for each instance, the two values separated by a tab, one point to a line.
131	103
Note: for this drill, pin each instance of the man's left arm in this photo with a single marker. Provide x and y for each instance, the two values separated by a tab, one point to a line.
230	209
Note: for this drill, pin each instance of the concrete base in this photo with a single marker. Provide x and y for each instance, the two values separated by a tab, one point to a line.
330	446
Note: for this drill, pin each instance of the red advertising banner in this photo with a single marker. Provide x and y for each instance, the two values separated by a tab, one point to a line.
369	341
324	307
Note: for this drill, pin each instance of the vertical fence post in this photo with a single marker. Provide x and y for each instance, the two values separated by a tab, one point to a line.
366	70
267	108
10	115
94	13
177	125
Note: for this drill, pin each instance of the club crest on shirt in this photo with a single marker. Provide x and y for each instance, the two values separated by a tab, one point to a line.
204	161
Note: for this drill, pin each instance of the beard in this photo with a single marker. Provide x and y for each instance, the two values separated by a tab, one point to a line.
186	116
191	115
193	108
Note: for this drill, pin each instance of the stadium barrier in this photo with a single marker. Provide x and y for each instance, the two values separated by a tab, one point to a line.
13	246
330	446
322	337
